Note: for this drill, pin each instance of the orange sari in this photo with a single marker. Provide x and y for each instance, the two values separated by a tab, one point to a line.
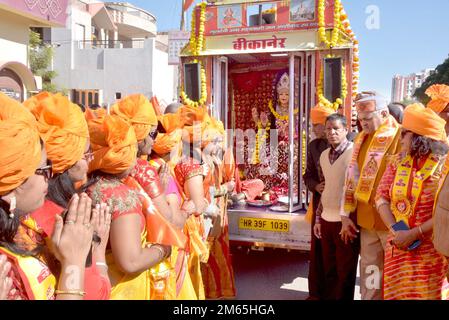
194	227
218	272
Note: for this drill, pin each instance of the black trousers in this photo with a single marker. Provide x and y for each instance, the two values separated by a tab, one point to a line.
316	270
339	261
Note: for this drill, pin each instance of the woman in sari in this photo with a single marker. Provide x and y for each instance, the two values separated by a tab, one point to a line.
202	136
164	159
132	256
406	195
139	112
24	174
218	272
64	130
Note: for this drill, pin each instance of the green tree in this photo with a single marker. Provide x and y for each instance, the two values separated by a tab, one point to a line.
441	76
41	56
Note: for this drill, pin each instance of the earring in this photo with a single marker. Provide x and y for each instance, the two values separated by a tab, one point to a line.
12	207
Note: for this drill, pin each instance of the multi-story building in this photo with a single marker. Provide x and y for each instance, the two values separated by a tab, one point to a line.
109	50
16	18
404	87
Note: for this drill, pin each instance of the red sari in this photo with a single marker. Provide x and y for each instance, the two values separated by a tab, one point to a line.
420	273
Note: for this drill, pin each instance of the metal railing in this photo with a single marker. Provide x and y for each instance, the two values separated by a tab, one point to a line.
130	9
110	44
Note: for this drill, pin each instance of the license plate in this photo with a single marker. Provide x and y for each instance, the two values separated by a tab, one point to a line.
264	224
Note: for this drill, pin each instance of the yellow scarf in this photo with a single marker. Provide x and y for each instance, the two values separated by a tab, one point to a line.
360	183
404	196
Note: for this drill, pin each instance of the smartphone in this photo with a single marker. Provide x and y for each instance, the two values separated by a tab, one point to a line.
401	226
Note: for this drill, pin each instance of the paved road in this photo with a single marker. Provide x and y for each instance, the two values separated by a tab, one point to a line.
272	274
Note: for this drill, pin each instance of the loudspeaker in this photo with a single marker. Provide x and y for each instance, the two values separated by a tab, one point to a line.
332	78
192	80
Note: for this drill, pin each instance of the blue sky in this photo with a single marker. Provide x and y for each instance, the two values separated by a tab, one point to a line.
413	35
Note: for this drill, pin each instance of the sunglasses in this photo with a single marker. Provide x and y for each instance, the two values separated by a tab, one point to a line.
153	135
46	171
89	155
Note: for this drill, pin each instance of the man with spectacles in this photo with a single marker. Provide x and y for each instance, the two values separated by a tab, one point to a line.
379	138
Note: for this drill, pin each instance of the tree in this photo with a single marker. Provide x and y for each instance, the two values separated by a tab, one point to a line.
441	76
41	56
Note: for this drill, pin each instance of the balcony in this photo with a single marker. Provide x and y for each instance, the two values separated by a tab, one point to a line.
110	44
131	21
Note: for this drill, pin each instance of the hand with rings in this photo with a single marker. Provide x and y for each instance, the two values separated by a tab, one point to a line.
72	240
103	226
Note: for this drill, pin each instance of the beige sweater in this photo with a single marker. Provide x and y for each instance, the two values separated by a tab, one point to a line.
332	198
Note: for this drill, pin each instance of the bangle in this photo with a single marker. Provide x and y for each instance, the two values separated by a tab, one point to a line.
421	232
159	248
101	264
71	292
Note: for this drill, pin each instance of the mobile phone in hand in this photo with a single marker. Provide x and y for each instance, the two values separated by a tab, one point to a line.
401	226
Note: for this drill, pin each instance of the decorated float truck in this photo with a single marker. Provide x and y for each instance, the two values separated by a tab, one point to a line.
261	66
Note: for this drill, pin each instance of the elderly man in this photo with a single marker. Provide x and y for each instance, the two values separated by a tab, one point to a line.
379	138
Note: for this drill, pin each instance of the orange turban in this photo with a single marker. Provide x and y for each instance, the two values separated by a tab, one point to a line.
171	121
115	144
166	142
62	127
439	93
319	114
213	130
194	120
20	145
97	113
425	122
138	110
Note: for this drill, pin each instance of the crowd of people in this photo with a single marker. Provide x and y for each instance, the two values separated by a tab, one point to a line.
131	204
98	205
380	198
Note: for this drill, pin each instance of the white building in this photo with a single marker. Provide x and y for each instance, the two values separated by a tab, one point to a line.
16	18
110	50
404	87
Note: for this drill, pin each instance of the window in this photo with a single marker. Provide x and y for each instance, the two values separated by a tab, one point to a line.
85	97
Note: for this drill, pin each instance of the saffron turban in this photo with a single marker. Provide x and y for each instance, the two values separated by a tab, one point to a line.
194	120
319	114
166	142
138	110
214	129
425	122
62	127
171	121
439	93
115	144
20	146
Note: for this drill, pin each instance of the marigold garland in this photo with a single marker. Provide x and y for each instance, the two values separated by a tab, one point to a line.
197	44
256	158
277	115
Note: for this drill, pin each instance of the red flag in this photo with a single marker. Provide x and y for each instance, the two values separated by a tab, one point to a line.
187	4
